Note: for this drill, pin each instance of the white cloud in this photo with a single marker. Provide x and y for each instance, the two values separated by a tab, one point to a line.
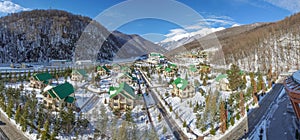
202	27
10	7
291	5
175	32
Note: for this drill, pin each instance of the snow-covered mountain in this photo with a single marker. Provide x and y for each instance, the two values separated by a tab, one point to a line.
42	35
174	41
257	47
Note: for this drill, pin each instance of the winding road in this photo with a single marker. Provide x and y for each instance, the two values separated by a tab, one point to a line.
10	130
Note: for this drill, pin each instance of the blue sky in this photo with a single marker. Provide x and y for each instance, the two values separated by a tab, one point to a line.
167	19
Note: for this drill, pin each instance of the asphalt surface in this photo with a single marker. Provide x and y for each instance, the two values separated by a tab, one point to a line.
247	125
257	114
10	130
171	123
281	123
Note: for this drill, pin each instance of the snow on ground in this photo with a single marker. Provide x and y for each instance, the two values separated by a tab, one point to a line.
160	125
257	133
219	135
182	108
82	96
281	94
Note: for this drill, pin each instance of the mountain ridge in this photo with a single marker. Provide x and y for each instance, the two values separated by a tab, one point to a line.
257	47
42	35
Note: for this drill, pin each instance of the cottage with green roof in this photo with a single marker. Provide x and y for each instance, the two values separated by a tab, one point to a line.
223	83
60	96
40	80
155	58
159	68
126	77
169	72
122	97
193	70
182	89
78	75
102	70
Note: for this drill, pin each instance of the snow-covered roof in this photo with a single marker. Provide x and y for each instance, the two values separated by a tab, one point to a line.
47	88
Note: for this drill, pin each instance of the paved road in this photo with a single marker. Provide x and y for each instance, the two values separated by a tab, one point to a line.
171	123
281	123
3	135
257	114
254	116
10	130
238	131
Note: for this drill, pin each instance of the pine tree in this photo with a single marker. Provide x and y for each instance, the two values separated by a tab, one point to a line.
46	130
196	108
186	76
254	92
244	82
269	77
114	129
260	82
128	115
56	77
9	108
28	75
105	101
104	119
17	116
234	77
46	126
184	124
164	130
23	124
44	135
254	87
205	80
159	118
223	117
20	76
122	131
53	135
242	104
232	121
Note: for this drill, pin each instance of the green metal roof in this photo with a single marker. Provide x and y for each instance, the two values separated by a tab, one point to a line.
42	76
180	83
63	90
116	91
241	72
81	72
51	93
155	54
220	77
173	65
103	67
122	87
128	89
168	69
69	99
193	68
